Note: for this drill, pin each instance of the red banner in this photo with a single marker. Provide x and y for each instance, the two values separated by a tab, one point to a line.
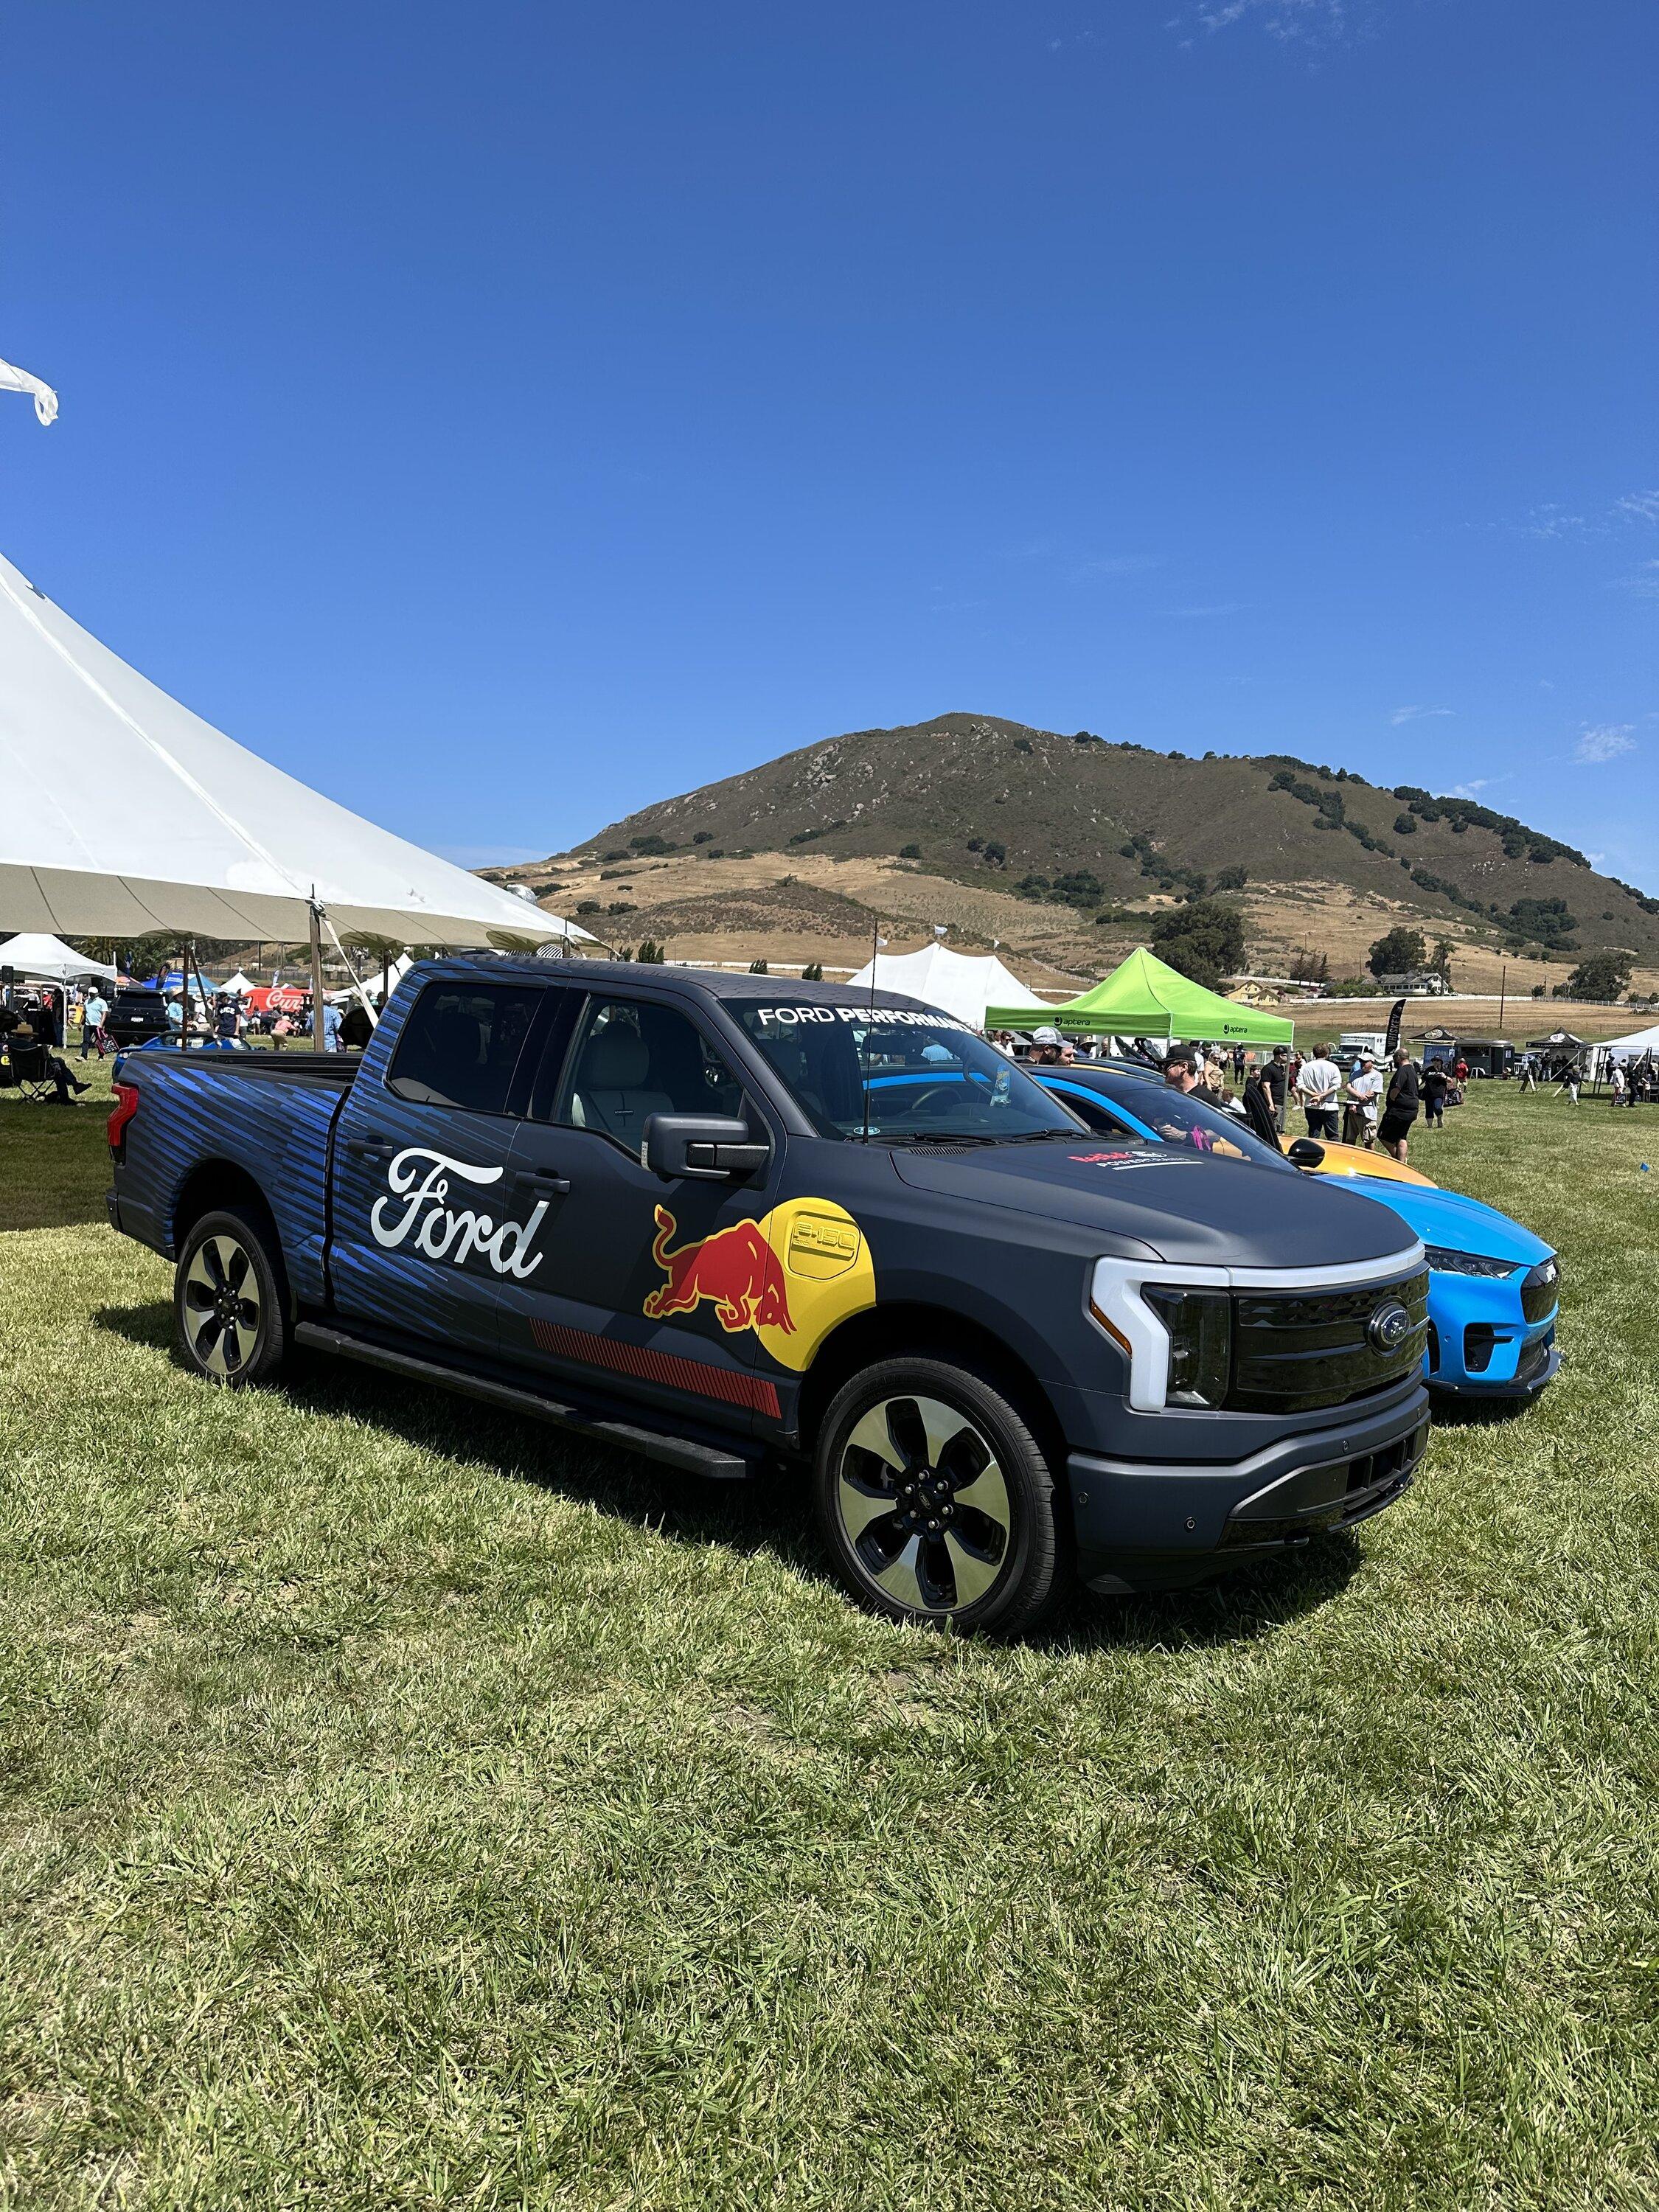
276	999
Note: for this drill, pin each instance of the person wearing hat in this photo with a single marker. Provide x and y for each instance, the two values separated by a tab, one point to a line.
1052	1049
1365	1091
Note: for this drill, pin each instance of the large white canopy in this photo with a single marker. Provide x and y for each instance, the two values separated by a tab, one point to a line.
952	982
1633	1046
124	812
48	959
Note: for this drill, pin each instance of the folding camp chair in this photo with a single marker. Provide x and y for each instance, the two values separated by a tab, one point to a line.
28	1072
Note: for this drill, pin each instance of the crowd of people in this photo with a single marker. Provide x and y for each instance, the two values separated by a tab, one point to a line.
1364	1102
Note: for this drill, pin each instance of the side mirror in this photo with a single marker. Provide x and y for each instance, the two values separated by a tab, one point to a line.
711	1146
1305	1153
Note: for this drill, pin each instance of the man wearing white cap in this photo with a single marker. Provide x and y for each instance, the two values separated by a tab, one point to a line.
1365	1089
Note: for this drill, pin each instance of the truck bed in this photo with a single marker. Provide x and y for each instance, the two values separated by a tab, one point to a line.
273	1130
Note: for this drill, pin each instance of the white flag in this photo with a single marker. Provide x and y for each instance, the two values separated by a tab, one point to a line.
19	379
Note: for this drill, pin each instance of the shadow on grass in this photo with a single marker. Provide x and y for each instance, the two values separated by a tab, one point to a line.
772	1516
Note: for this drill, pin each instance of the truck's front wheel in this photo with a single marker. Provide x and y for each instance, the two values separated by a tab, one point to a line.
936	1500
228	1300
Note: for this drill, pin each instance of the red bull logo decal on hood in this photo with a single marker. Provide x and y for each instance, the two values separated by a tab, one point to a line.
735	1268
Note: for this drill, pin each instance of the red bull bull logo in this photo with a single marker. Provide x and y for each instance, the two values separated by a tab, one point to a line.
734	1267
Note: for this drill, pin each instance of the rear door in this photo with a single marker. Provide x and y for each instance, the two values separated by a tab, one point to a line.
663	1292
426	1223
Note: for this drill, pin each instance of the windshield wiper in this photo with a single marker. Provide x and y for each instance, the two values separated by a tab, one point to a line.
928	1137
1038	1137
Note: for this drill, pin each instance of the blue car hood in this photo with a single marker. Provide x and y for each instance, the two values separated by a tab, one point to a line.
1446	1217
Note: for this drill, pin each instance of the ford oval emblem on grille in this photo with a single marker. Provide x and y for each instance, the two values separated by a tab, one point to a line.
1389	1326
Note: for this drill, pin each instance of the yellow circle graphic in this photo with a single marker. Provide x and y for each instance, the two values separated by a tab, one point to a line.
828	1274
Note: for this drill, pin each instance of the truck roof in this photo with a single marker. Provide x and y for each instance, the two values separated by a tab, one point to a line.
704	983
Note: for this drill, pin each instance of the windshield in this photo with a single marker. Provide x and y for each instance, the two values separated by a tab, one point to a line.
918	1076
1180	1118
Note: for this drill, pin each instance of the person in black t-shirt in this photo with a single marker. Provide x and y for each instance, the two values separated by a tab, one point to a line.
1436	1084
1399	1107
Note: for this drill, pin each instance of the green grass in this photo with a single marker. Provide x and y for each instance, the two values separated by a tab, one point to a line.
402	1808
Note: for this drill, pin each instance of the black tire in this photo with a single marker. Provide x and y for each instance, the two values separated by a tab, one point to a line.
973	1535
230	1299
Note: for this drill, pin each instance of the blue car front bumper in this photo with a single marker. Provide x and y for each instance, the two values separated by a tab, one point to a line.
1481	1344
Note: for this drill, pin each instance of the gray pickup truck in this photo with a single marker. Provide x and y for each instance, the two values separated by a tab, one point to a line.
722	1218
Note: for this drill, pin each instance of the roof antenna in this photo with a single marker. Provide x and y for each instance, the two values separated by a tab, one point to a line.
877	940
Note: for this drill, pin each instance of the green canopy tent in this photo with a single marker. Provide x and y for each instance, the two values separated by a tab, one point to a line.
1145	998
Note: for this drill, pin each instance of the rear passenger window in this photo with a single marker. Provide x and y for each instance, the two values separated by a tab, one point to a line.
461	1043
631	1059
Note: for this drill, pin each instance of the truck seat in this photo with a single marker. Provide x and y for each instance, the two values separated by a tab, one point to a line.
614	1088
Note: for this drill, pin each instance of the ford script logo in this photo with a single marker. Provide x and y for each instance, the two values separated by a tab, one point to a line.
1389	1326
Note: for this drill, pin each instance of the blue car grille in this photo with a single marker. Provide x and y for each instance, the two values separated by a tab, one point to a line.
1541	1290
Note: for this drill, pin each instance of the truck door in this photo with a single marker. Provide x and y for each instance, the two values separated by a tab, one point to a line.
427	1225
655	1290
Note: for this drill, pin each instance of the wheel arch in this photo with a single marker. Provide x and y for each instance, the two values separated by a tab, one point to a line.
894	1330
214	1185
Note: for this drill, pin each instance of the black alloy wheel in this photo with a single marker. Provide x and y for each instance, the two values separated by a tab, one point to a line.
230	1300
936	1500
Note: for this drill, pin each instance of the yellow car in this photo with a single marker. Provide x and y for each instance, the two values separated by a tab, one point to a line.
1355	1160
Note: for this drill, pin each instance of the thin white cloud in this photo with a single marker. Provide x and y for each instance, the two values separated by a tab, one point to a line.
1643	585
1604	741
1418	714
1324	23
1643	506
1119	564
1472	789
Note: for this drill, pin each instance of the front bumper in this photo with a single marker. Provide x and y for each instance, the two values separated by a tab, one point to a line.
1142	1525
1480	1343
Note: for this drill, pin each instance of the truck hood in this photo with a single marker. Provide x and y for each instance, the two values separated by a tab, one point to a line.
1179	1204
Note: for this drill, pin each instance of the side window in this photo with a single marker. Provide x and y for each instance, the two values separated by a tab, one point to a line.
633	1058
1091	1107
461	1043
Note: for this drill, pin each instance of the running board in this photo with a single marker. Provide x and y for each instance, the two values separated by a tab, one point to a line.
673	1451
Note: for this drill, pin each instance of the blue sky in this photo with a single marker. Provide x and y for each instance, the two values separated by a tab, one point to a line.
504	416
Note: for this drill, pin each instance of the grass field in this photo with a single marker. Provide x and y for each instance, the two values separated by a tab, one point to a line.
401	1807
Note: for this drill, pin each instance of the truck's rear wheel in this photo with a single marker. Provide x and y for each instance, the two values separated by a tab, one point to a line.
228	1300
936	1501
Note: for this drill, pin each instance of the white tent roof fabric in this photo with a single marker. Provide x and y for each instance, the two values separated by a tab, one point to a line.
952	982
1624	1048
48	958
124	813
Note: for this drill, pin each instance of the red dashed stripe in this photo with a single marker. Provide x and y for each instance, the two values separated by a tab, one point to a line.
667	1368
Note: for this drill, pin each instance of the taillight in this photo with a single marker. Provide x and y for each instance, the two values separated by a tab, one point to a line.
126	1106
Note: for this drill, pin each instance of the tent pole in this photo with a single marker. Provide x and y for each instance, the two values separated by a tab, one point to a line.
319	1039
184	994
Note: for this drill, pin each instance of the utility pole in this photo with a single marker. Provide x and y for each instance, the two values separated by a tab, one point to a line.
1503	994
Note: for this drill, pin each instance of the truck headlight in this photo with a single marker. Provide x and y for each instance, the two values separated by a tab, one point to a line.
1446	1261
1201	1330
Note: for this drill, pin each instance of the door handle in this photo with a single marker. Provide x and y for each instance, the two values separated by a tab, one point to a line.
370	1148
536	1179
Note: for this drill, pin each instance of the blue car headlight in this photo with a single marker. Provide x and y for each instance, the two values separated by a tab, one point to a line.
1446	1261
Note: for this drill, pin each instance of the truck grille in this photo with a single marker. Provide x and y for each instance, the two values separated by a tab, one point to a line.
1296	1349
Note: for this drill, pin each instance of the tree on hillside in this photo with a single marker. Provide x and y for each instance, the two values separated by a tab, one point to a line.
1601	978
1401	952
1204	940
1440	960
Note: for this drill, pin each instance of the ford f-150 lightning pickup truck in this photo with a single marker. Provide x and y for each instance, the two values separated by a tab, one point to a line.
720	1218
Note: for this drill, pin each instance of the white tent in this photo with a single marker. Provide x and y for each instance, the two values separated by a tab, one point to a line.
1633	1046
952	982
395	972
124	812
238	985
49	960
